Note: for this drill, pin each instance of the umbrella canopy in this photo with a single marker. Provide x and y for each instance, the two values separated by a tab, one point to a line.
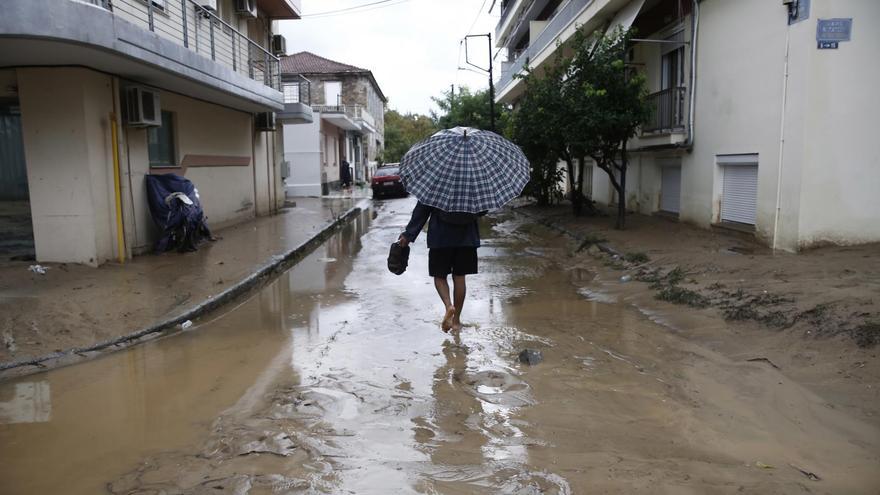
464	170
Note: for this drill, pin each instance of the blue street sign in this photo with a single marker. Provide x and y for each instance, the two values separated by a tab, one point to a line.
826	45
834	30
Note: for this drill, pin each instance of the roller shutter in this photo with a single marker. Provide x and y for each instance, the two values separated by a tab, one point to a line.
740	194
670	189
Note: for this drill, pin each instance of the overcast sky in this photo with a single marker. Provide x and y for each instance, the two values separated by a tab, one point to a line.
412	46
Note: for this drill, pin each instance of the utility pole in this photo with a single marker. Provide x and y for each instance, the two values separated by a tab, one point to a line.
489	70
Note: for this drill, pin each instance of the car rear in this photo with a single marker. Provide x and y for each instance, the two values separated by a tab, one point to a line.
386	182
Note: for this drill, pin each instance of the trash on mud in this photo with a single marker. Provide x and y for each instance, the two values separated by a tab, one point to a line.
327	260
625	278
763	466
808	474
530	357
763	360
39	269
186	324
9	342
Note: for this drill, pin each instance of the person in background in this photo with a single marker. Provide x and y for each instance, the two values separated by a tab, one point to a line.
453	239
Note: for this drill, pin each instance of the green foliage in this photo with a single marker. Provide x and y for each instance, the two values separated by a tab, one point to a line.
542	144
403	131
467	109
584	106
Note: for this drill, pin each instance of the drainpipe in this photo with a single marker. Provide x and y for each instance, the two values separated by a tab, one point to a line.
781	140
688	143
117	192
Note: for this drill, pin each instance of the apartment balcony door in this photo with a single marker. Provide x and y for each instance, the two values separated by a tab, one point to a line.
333	93
672	81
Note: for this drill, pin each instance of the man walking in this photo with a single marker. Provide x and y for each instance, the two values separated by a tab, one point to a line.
453	239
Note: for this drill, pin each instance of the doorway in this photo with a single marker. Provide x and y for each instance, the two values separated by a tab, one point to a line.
16	227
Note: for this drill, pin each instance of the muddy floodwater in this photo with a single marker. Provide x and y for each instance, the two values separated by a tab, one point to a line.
335	378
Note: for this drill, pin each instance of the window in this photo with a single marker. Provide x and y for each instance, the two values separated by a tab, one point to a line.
160	142
332	93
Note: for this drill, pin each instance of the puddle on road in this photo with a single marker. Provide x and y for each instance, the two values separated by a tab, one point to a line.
336	379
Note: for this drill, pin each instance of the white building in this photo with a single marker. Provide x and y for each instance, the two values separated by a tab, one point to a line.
348	126
97	94
757	127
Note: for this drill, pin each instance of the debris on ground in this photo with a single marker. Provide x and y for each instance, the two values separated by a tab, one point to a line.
39	269
186	324
808	474
764	360
530	357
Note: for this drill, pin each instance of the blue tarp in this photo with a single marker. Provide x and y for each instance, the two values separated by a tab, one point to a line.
183	225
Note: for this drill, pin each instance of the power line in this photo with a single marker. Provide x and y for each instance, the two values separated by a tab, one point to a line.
479	12
356	9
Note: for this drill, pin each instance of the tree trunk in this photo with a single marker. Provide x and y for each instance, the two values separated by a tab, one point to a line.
621	192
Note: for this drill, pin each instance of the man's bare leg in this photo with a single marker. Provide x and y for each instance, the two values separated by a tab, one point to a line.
460	291
442	287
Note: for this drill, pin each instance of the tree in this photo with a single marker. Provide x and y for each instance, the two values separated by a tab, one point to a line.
584	106
468	109
402	131
608	105
542	144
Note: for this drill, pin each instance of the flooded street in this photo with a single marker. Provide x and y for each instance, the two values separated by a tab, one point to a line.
336	378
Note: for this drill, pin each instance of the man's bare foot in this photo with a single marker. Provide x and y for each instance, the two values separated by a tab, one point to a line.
456	326
448	319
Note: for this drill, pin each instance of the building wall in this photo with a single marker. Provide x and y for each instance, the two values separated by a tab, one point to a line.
227	193
839	200
66	133
302	149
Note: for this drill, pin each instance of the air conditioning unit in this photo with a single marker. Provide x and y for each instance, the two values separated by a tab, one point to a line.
246	8
265	121
142	107
279	45
208	5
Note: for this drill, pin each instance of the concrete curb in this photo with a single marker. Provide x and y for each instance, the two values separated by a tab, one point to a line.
258	278
603	246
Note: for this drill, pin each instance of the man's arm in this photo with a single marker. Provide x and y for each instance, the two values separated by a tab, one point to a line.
420	216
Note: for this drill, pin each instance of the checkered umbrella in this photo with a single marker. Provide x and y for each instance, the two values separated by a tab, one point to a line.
464	170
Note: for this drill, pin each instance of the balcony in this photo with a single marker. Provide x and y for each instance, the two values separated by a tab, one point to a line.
667	111
175	45
546	39
187	23
348	117
297	92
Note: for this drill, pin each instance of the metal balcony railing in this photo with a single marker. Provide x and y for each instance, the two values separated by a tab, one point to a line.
667	110
296	89
356	112
189	24
562	18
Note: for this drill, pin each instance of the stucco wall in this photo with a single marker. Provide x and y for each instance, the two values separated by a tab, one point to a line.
226	193
839	200
303	151
738	95
66	134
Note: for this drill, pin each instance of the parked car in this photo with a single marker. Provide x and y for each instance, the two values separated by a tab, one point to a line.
386	181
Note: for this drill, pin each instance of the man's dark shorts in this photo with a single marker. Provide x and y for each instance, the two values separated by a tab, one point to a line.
457	260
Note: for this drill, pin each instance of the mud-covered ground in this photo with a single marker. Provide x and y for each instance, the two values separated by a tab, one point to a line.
337	379
76	306
831	291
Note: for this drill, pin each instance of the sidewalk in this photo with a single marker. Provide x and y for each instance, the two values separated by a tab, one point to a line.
826	292
77	307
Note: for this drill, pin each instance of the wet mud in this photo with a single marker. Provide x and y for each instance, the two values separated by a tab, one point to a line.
337	379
